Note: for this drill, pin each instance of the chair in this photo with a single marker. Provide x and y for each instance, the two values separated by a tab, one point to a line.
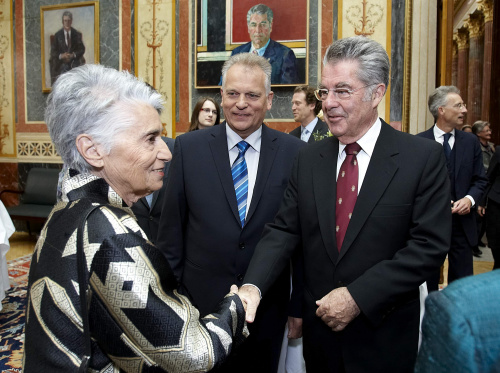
38	198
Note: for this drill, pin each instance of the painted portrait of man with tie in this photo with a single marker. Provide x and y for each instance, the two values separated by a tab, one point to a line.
66	48
72	45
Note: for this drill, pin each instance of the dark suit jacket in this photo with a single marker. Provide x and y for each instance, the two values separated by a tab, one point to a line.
470	178
493	175
149	217
393	243
200	231
282	60
321	128
58	46
461	327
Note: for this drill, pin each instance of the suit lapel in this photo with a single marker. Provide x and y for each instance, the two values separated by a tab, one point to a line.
459	144
324	181
383	165
268	149
220	153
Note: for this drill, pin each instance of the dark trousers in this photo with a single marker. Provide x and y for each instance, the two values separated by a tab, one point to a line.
459	256
493	230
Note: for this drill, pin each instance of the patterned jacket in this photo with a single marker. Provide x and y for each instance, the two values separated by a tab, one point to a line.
138	321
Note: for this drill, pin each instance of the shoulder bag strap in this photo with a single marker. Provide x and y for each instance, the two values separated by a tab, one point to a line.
82	280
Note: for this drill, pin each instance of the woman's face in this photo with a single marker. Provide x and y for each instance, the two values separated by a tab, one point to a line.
208	115
135	165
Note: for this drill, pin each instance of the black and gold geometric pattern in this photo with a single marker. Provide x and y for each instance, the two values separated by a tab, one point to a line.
138	321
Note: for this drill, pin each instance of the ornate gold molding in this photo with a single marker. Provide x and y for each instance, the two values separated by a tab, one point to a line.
476	26
405	121
486	6
462	40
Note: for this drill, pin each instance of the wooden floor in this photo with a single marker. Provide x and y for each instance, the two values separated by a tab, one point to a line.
21	243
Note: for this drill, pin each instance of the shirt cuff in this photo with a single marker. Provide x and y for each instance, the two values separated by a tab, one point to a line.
260	294
471	200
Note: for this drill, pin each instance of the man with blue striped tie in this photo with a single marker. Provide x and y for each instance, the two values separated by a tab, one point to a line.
225	184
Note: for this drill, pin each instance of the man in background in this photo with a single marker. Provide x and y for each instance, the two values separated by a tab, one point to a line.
468	181
66	48
225	183
305	108
281	58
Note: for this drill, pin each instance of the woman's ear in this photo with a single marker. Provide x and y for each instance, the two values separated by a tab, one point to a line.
89	150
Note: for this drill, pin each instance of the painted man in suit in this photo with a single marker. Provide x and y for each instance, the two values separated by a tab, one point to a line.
468	181
66	48
209	228
147	210
281	58
363	264
305	108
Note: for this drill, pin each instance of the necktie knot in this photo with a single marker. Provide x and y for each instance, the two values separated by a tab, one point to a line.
243	147
352	149
447	137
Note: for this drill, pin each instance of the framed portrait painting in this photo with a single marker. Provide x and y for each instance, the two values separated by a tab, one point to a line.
70	38
274	29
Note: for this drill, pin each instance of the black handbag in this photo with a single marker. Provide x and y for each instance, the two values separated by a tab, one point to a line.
82	279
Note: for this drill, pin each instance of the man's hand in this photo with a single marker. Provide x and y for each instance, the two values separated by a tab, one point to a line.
337	309
481	210
461	207
294	327
250	295
234	290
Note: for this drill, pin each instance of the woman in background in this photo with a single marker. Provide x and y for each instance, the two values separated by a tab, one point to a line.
206	113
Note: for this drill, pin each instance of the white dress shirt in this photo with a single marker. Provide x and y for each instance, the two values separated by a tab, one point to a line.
306	131
252	156
367	143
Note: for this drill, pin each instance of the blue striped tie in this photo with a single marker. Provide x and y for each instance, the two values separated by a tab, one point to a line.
240	180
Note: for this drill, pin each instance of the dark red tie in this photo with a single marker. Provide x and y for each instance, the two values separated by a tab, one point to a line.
347	191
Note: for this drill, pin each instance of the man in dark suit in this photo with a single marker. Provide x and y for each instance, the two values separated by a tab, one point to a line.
368	238
305	108
209	227
147	210
66	48
468	181
281	58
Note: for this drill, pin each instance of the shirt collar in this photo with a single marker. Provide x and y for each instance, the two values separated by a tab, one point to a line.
311	125
254	140
369	139
438	132
260	51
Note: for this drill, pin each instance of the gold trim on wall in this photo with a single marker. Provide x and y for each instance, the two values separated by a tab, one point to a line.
405	125
155	52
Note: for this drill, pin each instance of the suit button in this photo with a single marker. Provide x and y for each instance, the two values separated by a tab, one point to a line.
242	245
151	218
340	284
240	277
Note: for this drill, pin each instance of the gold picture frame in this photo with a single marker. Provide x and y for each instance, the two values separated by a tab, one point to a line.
61	51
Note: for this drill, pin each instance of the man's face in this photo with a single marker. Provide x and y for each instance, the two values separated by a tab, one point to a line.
259	29
244	99
454	111
302	111
485	134
348	119
67	21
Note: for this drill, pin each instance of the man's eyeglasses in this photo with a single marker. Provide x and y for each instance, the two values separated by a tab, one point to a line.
339	93
208	111
460	105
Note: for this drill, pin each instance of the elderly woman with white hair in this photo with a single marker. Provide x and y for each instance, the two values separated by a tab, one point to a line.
102	298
